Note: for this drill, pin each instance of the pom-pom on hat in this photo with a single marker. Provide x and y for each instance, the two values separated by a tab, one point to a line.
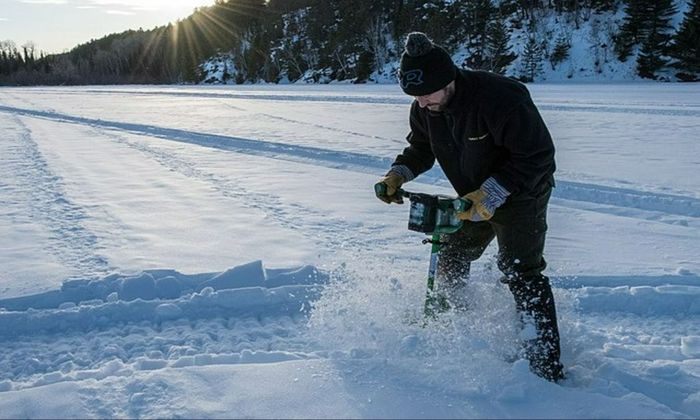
425	67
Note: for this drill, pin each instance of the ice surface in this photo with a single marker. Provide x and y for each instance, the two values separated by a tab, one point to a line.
182	251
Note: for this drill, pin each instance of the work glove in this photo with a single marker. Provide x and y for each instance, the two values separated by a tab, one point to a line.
490	196
386	189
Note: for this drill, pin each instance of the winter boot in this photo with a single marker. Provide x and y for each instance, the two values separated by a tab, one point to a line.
534	302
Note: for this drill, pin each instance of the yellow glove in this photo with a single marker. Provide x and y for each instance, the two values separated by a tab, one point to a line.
387	187
484	201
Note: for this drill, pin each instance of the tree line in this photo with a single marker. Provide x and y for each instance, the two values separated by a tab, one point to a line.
352	39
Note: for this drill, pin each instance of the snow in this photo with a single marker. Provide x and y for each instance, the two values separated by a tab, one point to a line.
217	251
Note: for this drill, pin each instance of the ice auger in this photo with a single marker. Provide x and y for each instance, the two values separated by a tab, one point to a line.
434	215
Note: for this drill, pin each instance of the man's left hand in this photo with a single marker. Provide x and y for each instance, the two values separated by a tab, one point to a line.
484	201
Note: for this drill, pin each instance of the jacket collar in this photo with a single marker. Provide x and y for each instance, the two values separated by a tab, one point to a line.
464	92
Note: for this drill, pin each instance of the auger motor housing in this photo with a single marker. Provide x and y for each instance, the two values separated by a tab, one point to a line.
434	214
431	214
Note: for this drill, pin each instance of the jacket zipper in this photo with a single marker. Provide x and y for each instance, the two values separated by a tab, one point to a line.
449	121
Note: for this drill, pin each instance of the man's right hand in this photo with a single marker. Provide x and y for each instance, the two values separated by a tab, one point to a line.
386	189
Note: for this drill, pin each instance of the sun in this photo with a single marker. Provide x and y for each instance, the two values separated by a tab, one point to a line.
169	10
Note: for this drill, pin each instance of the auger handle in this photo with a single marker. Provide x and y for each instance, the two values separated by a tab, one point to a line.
380	191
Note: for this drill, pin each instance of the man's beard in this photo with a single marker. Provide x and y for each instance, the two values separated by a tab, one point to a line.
449	92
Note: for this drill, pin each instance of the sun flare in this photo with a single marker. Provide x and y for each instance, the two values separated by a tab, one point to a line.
181	4
162	5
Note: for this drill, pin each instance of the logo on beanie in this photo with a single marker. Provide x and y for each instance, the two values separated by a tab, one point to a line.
411	78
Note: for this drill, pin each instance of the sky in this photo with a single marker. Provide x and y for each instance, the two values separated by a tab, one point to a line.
59	25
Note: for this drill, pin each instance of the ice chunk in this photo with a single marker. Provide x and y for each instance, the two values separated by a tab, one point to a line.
168	311
169	287
66	305
246	275
138	287
690	346
143	363
306	275
409	344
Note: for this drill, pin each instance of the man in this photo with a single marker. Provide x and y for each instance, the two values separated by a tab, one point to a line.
496	151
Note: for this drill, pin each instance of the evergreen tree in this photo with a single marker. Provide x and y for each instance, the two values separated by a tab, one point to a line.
498	54
603	5
649	61
560	51
365	66
655	48
686	44
635	27
531	65
479	15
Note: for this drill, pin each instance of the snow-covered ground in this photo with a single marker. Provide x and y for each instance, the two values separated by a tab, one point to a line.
218	252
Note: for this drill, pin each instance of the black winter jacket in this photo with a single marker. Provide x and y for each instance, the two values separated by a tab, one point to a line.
489	128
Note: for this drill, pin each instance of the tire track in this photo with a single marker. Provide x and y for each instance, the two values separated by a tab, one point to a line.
638	201
295	153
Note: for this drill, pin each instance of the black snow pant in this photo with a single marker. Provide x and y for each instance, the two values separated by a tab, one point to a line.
520	227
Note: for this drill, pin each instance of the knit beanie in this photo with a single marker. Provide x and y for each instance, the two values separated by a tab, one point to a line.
425	67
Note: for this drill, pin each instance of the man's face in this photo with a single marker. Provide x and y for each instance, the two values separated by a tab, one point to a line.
437	101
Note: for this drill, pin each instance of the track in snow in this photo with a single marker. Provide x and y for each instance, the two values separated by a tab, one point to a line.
94	329
336	233
672	110
38	196
638	204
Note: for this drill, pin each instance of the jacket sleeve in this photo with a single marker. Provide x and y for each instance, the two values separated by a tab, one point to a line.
531	150
418	157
